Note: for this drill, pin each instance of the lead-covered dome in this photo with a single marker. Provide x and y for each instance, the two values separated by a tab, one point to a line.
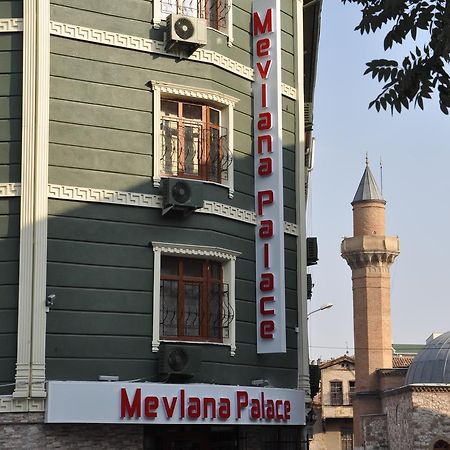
432	364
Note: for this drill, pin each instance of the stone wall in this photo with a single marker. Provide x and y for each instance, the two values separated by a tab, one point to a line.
375	432
27	431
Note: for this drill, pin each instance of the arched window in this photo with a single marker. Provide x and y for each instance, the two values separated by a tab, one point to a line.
441	445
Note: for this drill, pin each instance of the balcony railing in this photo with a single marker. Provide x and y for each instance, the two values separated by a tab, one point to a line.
204	312
193	149
214	11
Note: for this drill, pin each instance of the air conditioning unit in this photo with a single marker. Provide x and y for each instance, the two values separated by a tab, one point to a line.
309	286
185	32
182	196
178	362
312	251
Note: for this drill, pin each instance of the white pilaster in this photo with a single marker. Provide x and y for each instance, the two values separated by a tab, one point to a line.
23	375
41	200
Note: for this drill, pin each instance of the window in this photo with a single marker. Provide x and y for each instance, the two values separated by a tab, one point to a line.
194	300
193	134
193	144
336	393
346	440
214	11
351	391
441	445
193	294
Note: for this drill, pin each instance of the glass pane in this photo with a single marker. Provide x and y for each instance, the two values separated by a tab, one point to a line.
192	136
216	270
168	7
193	268
214	116
188	7
215	310
169	108
169	266
192	309
170	146
193	112
169	308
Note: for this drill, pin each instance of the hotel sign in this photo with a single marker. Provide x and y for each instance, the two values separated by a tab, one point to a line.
157	403
268	156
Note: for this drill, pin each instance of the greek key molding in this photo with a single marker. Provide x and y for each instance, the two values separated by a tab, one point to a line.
141	44
11	25
9	404
9	189
82	194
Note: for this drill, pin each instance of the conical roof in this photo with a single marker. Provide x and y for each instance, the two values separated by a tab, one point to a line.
368	188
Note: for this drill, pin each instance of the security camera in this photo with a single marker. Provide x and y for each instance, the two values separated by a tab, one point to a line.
50	300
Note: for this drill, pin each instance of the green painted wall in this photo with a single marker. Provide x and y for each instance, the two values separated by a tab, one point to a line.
10	152
100	264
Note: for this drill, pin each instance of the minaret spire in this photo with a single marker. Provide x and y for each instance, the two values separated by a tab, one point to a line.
369	253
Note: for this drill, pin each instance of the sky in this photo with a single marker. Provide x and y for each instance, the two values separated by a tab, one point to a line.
414	147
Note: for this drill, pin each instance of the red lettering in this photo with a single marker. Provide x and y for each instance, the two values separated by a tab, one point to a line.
287	410
264	71
266	255
262	47
265	167
150	406
264	95
278	412
264	198
255	411
193	410
130	410
265	121
267	329
267	140
224	408
270	410
266	229
212	402
242	402
267	282
259	27
262	306
170	409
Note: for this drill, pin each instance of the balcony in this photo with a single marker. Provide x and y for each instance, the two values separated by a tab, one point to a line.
337	405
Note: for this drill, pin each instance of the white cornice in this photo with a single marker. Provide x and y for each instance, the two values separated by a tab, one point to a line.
11	25
141	44
186	91
83	194
195	250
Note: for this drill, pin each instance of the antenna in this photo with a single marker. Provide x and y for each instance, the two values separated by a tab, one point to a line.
381	176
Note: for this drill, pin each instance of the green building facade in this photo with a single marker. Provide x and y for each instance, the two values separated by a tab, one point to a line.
127	212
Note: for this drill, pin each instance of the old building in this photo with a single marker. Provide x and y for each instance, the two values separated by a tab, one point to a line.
153	162
400	402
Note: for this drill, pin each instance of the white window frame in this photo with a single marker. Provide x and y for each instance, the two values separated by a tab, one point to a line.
225	103
159	17
228	260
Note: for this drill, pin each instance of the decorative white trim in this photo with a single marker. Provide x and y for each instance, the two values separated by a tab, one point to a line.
26	246
9	404
222	101
228	259
11	25
9	189
151	46
40	222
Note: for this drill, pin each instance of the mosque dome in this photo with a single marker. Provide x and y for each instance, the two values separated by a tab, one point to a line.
432	364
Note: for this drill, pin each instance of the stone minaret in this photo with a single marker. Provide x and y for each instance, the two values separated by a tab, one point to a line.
369	253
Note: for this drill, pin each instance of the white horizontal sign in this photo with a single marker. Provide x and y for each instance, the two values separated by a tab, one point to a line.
156	403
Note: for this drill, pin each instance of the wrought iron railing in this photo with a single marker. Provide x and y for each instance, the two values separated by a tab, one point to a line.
193	149
214	11
204	312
